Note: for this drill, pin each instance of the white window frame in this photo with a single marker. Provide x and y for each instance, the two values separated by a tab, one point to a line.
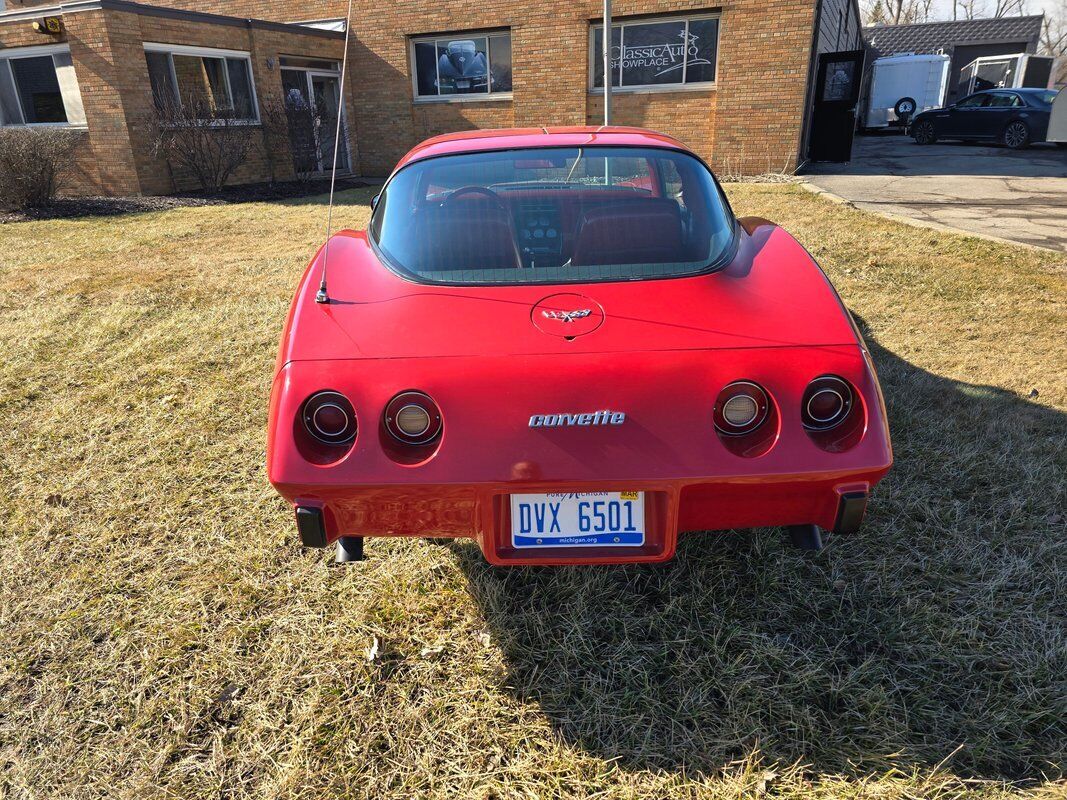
702	86
489	97
172	50
71	103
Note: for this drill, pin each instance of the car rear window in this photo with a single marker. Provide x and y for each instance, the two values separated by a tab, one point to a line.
553	215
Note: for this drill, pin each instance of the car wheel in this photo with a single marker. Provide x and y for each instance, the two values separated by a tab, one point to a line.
1016	135
923	132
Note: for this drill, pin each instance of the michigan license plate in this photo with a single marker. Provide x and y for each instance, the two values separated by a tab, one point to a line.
578	519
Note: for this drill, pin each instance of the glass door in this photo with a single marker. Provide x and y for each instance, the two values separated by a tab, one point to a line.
326	91
311	102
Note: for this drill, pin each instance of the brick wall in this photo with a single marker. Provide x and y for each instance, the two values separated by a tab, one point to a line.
750	122
764	53
103	162
107	48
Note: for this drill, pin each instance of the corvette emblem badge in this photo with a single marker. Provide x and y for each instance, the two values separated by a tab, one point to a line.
567	316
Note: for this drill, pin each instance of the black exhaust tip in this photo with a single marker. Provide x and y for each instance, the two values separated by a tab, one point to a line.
349	549
806	537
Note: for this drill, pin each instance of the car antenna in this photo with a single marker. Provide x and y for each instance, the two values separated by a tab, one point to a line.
321	295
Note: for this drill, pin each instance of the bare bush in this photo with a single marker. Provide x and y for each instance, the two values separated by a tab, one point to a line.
291	126
303	129
202	140
33	164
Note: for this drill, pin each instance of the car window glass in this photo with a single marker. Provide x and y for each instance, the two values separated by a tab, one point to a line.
974	101
1003	100
552	214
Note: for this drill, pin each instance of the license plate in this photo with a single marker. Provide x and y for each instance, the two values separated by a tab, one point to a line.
578	519
463	84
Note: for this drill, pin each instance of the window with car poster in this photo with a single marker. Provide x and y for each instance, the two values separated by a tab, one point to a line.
464	66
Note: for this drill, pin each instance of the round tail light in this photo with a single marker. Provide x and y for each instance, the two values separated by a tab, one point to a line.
413	418
330	418
826	403
740	408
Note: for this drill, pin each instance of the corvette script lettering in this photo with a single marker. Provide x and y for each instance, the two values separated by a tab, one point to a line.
581	420
567	316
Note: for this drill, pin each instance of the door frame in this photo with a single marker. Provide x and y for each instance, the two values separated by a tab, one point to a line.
309	74
819	107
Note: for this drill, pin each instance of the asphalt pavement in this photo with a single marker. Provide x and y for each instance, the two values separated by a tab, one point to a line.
1019	195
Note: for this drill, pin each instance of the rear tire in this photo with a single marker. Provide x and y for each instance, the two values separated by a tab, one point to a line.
923	132
1016	135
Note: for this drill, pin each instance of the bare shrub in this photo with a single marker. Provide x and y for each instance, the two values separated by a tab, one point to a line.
33	164
296	126
202	140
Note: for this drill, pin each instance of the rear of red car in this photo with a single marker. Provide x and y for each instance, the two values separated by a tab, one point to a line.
581	397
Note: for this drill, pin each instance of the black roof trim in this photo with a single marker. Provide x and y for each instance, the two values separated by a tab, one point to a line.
930	37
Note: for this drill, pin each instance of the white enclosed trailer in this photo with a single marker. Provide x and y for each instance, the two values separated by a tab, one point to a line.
904	84
1057	123
1015	71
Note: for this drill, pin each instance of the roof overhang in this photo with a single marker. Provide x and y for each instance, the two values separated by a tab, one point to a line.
129	7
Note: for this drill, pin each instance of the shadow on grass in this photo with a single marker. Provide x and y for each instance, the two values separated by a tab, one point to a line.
932	628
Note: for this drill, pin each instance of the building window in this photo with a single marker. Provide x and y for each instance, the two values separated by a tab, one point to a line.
657	53
467	66
210	84
38	87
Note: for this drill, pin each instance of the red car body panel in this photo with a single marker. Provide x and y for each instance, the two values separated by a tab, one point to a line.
659	350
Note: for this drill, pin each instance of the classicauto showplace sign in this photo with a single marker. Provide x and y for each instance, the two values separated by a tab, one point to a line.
665	57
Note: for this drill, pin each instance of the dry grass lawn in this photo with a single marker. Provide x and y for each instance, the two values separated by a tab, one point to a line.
162	634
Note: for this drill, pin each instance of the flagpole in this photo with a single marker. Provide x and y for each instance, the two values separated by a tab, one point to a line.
607	62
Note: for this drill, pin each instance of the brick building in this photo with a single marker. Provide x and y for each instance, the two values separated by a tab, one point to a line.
733	80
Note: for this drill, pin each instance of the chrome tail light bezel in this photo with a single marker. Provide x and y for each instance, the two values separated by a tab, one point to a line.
309	414
421	400
735	389
827	383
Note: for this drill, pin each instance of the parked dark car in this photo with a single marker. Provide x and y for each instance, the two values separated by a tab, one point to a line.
1013	117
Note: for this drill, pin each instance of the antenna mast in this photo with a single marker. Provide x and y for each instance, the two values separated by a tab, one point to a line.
321	296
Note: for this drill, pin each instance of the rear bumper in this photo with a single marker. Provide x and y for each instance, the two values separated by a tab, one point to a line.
694	479
482	512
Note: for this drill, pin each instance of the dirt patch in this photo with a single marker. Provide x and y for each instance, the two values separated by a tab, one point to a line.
71	207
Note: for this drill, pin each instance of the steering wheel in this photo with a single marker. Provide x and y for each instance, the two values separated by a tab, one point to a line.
482	191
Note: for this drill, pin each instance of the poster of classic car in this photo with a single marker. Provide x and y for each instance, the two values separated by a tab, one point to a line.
477	65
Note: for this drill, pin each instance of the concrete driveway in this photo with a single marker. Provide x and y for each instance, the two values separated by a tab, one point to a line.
1019	195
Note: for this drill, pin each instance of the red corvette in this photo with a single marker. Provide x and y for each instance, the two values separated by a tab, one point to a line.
562	343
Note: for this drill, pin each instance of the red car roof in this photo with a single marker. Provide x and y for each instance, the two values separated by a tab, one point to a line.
510	138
